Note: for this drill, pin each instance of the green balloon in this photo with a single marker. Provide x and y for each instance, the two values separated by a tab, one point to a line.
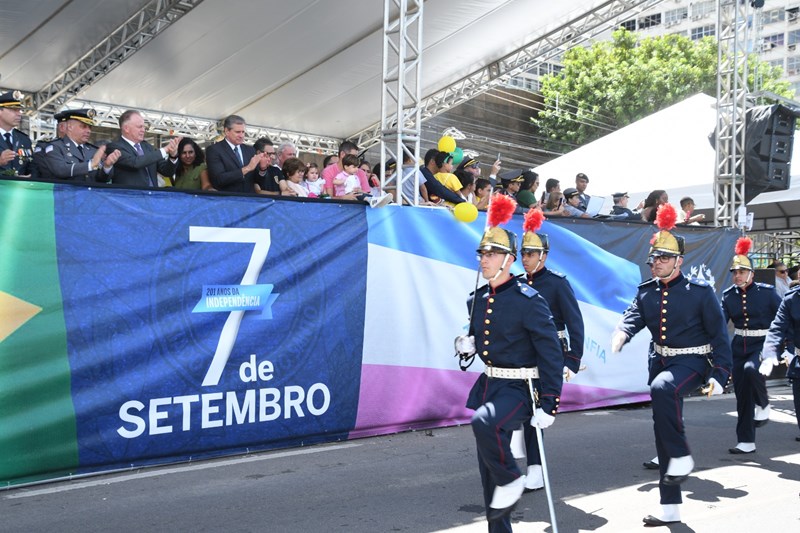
458	156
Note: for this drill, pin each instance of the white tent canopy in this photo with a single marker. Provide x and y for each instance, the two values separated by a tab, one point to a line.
668	150
309	66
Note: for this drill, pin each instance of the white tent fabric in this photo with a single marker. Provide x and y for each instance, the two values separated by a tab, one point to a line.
669	150
310	66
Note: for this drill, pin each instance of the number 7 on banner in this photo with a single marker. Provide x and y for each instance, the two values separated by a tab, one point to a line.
261	239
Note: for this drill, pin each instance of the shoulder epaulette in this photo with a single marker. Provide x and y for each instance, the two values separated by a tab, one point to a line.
647	282
557	273
526	289
765	285
699	282
729	289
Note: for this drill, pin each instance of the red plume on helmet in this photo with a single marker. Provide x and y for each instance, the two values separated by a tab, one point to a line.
501	209
533	220
743	245
666	217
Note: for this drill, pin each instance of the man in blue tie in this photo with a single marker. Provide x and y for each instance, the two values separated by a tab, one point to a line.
139	163
232	165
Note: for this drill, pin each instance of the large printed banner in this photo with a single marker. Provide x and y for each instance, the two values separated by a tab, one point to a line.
144	327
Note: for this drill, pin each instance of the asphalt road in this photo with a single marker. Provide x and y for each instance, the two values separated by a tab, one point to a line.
428	481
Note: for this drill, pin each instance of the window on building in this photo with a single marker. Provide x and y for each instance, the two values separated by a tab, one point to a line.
776	63
629	25
675	16
792	66
796	87
792	14
702	31
703	9
772	41
792	38
772	16
649	21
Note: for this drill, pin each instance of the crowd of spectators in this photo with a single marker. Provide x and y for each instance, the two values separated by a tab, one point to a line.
232	165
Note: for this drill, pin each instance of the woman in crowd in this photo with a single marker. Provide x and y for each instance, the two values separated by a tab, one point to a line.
526	197
651	203
191	172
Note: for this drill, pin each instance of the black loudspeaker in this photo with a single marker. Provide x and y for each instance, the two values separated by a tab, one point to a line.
768	149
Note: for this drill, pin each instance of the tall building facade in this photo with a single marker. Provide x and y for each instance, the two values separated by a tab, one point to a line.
775	36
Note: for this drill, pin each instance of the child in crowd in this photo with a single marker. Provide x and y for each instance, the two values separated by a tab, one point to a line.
294	170
483	191
685	214
346	181
313	185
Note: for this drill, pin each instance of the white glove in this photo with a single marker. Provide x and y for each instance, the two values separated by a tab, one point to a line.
765	368
568	374
465	344
618	339
713	388
542	420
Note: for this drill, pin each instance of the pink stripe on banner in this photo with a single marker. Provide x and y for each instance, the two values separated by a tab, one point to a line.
396	398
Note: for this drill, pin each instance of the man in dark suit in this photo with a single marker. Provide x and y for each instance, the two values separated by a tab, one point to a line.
71	157
139	163
15	146
232	165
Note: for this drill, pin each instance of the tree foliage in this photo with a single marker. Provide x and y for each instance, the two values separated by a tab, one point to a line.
614	83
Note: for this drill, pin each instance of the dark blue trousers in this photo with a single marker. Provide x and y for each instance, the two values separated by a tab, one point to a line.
750	388
493	423
667	391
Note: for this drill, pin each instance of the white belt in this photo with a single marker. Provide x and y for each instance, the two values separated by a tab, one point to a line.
666	351
512	373
751	332
562	334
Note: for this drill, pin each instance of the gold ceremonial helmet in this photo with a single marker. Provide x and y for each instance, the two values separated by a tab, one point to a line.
496	238
535	242
740	260
665	243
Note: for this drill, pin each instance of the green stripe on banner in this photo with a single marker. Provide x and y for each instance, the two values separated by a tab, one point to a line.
37	420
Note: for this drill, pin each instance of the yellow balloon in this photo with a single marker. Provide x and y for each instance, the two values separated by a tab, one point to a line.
447	144
465	212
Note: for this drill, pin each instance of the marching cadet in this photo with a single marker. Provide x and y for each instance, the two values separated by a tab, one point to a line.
72	157
691	347
784	334
751	307
512	332
560	297
15	146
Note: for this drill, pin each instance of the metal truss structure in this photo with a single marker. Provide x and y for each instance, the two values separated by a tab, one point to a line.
141	28
584	27
157	15
732	92
401	93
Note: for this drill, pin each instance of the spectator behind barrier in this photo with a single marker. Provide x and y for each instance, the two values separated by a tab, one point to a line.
191	172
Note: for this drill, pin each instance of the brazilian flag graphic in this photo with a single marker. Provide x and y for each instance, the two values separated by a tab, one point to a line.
37	419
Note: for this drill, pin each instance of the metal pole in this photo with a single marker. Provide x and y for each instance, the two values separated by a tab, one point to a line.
545	475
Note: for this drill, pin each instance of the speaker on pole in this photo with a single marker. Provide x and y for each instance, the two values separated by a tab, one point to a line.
768	149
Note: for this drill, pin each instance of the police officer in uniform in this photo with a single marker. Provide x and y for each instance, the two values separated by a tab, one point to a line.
691	347
783	342
751	307
512	331
72	157
39	163
15	146
560	297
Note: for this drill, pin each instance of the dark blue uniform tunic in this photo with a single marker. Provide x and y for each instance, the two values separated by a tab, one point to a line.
513	328
683	313
784	334
750	309
560	297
